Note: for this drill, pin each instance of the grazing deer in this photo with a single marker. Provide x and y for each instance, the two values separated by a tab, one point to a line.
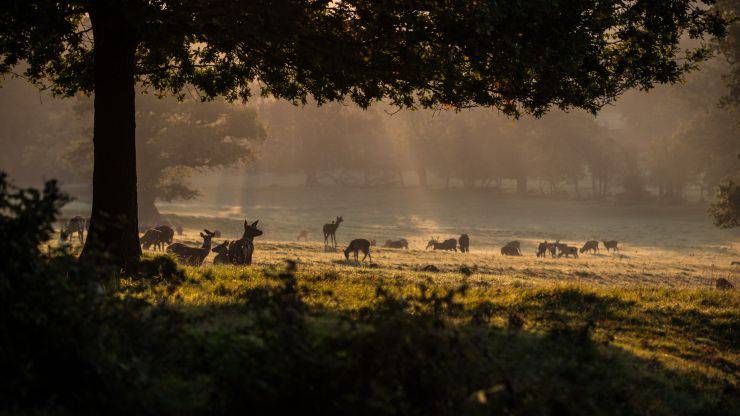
402	243
193	256
152	237
449	244
568	251
542	249
611	245
464	242
168	234
355	246
510	251
222	253
303	234
240	251
75	225
330	230
591	245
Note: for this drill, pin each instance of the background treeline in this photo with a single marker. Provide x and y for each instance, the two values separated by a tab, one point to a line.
676	143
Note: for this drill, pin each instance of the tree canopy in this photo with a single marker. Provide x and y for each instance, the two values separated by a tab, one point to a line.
513	55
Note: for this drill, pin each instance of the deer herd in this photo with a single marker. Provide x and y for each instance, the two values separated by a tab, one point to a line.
239	252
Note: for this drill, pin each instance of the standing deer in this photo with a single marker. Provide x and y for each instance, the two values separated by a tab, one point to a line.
510	251
449	244
168	234
355	246
611	245
568	251
152	237
192	256
330	230
240	251
77	225
464	242
591	245
542	249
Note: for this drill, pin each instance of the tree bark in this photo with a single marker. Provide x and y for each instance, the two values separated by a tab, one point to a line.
113	235
421	171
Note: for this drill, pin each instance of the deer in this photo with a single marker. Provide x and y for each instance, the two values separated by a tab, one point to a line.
516	244
611	245
303	234
464	243
591	245
77	225
568	251
168	234
357	245
542	249
192	256
448	245
508	250
402	243
330	230
552	248
222	253
240	251
152	237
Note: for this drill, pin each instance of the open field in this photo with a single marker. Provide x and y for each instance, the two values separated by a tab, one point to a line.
640	332
660	245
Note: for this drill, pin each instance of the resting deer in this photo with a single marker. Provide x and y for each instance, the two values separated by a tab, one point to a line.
222	253
303	234
611	245
240	251
464	243
193	256
449	244
330	230
355	246
591	245
402	243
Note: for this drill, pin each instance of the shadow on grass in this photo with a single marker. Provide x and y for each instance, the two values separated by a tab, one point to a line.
420	354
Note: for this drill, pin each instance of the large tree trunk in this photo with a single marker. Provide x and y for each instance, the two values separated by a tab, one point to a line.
113	235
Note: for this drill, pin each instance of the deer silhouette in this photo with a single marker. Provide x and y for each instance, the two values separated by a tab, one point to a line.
192	256
357	245
241	250
330	230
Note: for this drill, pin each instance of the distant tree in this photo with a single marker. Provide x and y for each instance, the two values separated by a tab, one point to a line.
729	47
176	139
517	56
726	209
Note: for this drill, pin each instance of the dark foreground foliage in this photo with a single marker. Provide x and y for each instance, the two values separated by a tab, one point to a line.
75	347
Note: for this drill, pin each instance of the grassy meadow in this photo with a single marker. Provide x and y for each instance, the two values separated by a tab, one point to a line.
643	331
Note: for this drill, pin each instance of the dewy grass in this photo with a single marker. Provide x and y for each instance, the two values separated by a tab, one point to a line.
520	343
